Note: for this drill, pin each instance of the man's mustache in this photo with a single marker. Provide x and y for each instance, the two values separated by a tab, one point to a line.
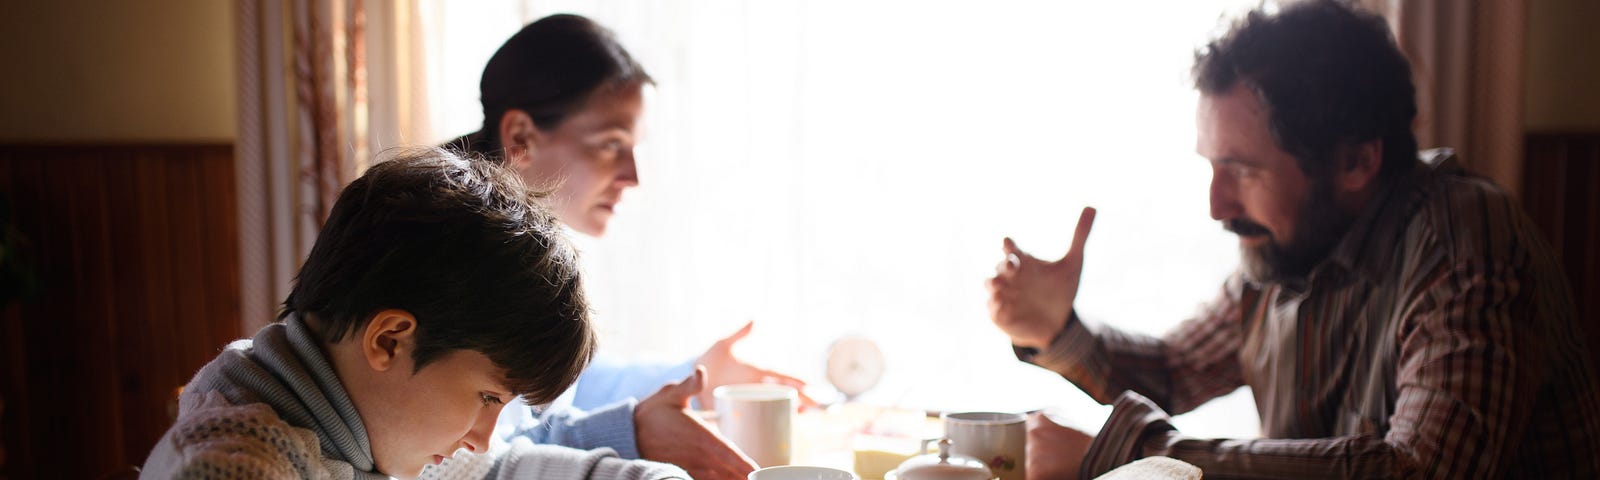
1244	228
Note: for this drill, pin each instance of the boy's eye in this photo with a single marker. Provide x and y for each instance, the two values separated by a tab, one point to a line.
490	399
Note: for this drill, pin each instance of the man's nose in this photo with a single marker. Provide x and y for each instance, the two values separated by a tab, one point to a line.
1224	197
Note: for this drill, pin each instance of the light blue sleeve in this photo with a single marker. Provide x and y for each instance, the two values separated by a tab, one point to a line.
597	411
608	380
609	426
543	462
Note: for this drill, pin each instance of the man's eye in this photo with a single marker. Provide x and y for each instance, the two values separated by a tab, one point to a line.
490	399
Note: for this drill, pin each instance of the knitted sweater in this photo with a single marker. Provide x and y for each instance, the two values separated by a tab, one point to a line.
272	407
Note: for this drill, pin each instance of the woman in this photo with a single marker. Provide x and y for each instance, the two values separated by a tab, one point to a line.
561	103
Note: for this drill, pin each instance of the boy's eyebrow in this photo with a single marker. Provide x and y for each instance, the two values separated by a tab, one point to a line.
502	385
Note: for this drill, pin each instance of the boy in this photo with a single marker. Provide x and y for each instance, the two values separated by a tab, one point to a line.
437	291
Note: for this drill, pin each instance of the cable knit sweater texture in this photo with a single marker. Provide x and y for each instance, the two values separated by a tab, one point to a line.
272	407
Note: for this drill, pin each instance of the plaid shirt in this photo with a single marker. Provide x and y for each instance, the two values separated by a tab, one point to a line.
1438	340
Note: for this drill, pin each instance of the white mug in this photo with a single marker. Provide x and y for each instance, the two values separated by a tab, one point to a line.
757	418
999	440
802	473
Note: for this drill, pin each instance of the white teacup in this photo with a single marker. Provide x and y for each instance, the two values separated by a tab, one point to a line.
999	440
796	472
758	419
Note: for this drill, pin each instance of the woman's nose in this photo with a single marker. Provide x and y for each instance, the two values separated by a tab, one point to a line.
628	171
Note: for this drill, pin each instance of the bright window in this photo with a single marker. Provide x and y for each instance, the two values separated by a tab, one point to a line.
849	167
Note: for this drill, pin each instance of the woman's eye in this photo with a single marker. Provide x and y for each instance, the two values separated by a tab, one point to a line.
490	399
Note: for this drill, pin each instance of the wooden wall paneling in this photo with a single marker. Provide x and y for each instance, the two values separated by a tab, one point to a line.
138	246
220	263
16	423
71	386
162	268
132	288
1562	195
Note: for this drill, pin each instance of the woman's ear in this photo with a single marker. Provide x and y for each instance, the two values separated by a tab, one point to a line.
390	339
519	138
1358	165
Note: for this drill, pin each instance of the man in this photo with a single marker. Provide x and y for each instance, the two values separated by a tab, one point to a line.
438	291
1394	318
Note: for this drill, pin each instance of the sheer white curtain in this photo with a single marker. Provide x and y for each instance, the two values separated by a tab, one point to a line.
844	167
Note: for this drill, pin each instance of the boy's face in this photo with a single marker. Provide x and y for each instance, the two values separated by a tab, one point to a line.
416	418
452	403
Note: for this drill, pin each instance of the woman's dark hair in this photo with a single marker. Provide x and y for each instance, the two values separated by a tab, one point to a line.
469	251
549	69
1329	76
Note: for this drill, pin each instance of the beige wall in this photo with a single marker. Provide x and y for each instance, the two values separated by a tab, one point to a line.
117	70
162	70
1563	82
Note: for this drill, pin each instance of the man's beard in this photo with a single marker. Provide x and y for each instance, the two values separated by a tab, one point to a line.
1319	225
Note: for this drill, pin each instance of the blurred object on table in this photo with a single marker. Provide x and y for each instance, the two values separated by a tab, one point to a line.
855	365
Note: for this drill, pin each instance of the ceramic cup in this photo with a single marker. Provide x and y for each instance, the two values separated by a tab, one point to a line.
757	418
999	440
802	473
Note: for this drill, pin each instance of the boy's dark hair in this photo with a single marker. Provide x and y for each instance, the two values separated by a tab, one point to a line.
548	69
467	249
1329	76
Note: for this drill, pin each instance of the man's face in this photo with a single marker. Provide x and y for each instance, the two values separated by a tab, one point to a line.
1286	221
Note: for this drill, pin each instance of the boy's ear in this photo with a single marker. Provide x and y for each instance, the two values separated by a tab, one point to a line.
519	138
390	334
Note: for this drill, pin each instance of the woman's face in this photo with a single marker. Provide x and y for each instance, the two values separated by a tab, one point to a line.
588	157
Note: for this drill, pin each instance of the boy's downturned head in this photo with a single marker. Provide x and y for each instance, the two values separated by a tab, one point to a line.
469	251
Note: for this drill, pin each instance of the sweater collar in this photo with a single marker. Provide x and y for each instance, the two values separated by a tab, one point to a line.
301	386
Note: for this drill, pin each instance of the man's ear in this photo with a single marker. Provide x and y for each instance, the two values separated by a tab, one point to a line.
519	138
1358	165
390	334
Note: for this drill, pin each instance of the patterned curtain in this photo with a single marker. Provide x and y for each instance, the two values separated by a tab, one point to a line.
309	88
1468	64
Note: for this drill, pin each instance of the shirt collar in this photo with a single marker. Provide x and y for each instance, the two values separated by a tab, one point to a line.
1368	248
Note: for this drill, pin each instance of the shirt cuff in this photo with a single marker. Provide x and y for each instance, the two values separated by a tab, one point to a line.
1029	354
1134	419
1073	354
611	426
